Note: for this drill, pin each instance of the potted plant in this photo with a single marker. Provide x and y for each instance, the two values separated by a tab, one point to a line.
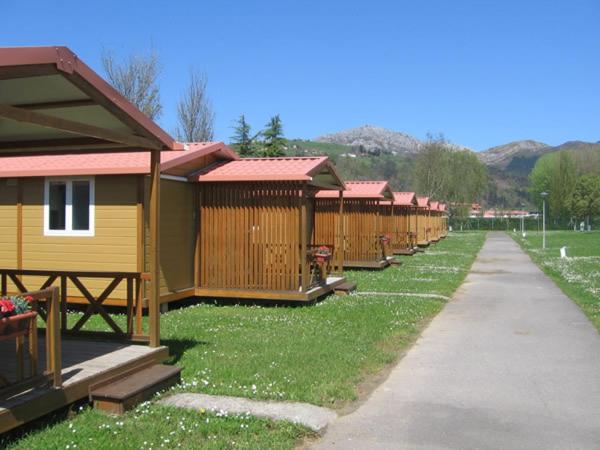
323	254
385	238
15	315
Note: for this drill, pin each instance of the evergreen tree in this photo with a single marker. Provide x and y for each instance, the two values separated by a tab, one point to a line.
241	139
274	142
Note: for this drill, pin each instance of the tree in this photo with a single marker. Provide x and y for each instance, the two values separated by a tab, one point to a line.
136	79
195	113
430	172
584	201
274	142
241	139
554	173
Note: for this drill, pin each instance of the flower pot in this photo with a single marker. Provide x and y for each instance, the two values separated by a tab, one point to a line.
16	325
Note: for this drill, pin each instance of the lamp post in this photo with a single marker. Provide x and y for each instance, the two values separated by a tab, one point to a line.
544	195
522	219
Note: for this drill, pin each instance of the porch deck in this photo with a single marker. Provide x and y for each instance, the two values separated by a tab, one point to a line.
376	265
252	294
85	363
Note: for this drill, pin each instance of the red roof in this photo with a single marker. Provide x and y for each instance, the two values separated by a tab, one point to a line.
268	169
106	163
403	199
442	207
434	206
362	189
422	202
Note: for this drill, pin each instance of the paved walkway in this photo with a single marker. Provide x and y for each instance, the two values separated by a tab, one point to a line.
510	363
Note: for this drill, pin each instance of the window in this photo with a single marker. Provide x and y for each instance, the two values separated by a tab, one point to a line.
69	207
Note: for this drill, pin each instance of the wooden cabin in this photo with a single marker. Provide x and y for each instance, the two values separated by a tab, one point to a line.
422	221
402	239
52	103
257	220
444	220
90	213
365	221
434	222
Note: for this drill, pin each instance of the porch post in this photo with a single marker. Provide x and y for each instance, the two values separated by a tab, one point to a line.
340	233
304	241
154	226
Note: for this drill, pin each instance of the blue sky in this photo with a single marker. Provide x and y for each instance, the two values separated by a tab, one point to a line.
482	73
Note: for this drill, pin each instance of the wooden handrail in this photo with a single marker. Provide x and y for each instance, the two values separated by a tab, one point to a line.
51	295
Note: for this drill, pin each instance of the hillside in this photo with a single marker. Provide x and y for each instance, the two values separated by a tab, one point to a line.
370	152
374	140
502	155
509	166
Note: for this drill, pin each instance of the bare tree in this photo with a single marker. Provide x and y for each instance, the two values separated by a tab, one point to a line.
195	112
136	80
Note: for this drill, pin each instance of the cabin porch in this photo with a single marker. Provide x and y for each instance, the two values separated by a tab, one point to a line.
85	363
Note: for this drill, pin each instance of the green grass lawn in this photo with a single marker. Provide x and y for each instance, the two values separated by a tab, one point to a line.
578	275
317	354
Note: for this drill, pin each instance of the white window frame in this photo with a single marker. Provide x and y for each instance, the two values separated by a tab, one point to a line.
68	231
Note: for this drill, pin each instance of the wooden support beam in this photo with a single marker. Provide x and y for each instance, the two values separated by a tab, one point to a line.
69	126
340	235
197	247
57	105
74	142
154	244
304	241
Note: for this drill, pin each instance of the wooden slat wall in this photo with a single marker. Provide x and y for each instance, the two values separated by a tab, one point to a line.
362	228
400	228
412	222
250	236
327	229
387	217
421	223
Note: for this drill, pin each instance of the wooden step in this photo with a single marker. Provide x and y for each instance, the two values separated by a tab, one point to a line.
404	252
125	393
345	288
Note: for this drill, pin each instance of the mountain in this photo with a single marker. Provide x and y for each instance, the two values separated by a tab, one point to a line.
509	166
502	155
370	152
374	140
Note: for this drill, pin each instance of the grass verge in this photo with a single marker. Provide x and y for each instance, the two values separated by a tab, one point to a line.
318	354
578	275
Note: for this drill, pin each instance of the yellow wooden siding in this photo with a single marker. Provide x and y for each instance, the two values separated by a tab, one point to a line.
8	224
177	235
112	248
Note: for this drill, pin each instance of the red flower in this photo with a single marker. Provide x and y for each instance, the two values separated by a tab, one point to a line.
29	298
6	306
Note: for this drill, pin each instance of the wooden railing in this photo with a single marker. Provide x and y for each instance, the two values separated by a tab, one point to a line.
69	280
51	298
53	373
